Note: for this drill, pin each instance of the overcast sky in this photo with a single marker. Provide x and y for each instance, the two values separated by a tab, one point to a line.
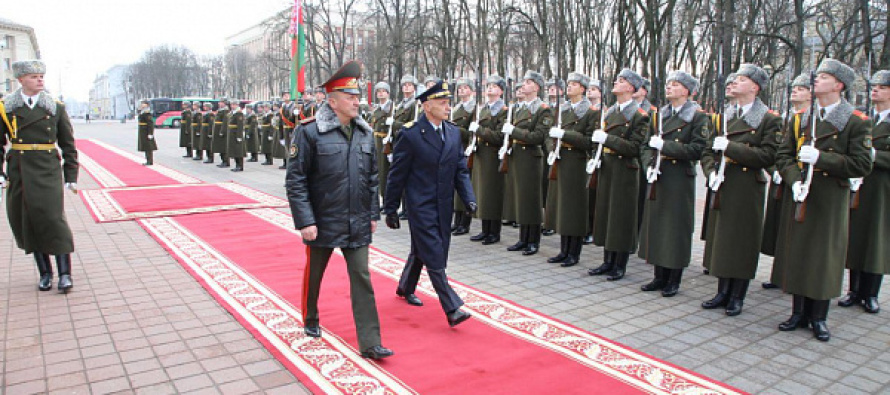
80	39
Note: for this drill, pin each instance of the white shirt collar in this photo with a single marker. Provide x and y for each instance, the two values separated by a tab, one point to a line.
33	99
439	126
746	107
882	116
828	108
621	106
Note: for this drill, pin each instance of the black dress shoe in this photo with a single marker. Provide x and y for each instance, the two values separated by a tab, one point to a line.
530	249
654	285
46	282
65	283
282	167
547	232
491	239
237	169
559	258
312	331
850	299
460	230
769	285
254	159
479	237
403	215
412	299
457	316
820	331
377	352
518	246
793	322
601	269
197	158
208	160
871	305
223	165
588	240
569	262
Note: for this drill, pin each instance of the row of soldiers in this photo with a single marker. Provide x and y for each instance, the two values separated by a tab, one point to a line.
232	130
625	174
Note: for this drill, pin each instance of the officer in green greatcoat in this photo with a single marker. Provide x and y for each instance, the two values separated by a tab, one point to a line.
185	128
146	136
745	150
266	133
816	247
527	131
677	135
235	144
509	213
197	118
40	136
382	132
462	115
868	255
617	187
488	182
220	131
251	132
571	150
207	131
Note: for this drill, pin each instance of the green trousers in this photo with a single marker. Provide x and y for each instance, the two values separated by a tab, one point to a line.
364	306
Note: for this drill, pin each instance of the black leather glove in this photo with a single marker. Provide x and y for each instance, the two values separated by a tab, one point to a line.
471	208
392	221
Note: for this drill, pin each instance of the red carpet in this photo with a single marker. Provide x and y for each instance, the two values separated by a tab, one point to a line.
120	204
112	167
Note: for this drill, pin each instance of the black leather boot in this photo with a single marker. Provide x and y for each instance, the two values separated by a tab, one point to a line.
45	268
283	164
239	165
870	300
673	283
658	282
63	262
494	233
799	317
253	157
722	297
606	267
188	153
573	251
268	160
486	228
149	158
533	238
818	317
199	155
738	290
852	297
209	157
563	250
620	268
461	219
456	221
768	285
224	163
523	240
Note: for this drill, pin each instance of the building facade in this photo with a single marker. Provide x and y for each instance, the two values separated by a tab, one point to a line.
110	94
17	42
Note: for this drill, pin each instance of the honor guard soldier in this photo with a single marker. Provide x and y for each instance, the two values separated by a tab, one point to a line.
555	93
207	131
382	132
735	165
221	131
307	109
146	135
430	81
509	213
197	117
290	115
530	125
266	133
428	166
715	118
488	182
35	129
577	121
333	198
235	136
595	88
251	131
773	225
407	111
677	137
594	93
185	128
621	136
868	254
461	116
642	98
279	134
819	173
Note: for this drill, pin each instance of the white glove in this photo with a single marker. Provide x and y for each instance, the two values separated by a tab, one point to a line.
652	175
281	141
151	137
270	138
855	183
808	154
507	129
557	133
599	136
874	153
389	158
720	143
714	181
71	186
656	142
777	178
474	126
238	140
389	121
797	191
2	182
296	111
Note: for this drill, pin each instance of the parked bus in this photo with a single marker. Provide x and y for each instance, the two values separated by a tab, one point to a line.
166	111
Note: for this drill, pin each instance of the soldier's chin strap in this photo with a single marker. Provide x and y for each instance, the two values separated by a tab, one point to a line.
11	126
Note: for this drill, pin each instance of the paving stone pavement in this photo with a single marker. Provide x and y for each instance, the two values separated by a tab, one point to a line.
129	295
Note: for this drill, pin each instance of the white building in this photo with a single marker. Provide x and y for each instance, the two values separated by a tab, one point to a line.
109	96
17	42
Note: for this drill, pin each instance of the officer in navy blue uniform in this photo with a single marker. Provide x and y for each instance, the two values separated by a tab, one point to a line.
428	164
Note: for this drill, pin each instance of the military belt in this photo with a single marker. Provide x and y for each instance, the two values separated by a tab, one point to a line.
609	151
265	124
143	124
218	123
33	147
521	142
380	134
233	126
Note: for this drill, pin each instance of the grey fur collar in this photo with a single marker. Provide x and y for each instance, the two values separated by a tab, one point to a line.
628	111
385	107
687	112
406	103
840	116
14	100
469	105
754	116
496	107
327	120
535	105
646	105
580	109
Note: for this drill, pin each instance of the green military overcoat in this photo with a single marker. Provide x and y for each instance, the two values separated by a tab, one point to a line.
488	182
869	249
146	136
235	135
185	129
526	167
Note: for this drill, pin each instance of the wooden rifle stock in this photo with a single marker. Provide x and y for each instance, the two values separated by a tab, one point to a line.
387	148
800	211
650	191
504	166
592	180
714	199
554	168
778	194
470	160
854	200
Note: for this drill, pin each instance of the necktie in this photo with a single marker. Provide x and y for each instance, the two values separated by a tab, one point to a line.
441	135
740	113
822	114
30	102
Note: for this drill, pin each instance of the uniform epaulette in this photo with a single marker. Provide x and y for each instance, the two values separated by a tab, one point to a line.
800	111
408	125
652	108
701	110
642	111
860	114
545	105
307	121
774	112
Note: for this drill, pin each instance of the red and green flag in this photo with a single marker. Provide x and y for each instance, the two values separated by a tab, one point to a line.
297	51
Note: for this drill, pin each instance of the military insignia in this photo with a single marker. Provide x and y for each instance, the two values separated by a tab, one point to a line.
294	150
408	125
444	85
867	142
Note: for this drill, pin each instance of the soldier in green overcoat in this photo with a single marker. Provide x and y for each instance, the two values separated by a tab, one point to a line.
251	132
41	160
185	128
146	133
462	115
382	132
220	131
744	151
816	247
197	118
278	135
488	182
207	131
677	135
266	133
868	255
571	143
235	143
509	214
406	111
529	127
617	189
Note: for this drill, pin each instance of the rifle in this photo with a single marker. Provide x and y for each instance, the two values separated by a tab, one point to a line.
470	153
553	157
596	162
387	141
507	146
789	114
721	104
800	207
856	183
650	187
